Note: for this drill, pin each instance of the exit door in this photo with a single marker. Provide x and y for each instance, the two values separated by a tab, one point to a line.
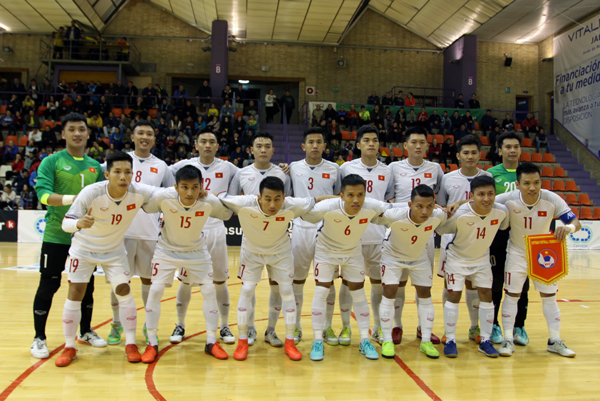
524	106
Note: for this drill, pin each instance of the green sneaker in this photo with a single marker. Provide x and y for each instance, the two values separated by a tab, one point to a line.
114	338
297	336
388	350
345	336
428	349
330	337
145	331
475	334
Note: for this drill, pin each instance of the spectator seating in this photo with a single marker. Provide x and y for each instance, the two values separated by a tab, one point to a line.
559	186
536	157
584	199
47	123
560	172
525	157
547	158
453	167
571	186
153	113
547	172
117	112
526	143
597	213
484	140
572	200
575	211
397	152
586	213
23	141
13	138
547	184
482	155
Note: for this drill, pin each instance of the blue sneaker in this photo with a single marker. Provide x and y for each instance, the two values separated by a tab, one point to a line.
486	348
520	336
317	352
368	350
496	337
450	349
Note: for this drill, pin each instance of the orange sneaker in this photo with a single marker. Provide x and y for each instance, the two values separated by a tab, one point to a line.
67	356
397	335
443	340
150	354
216	351
133	353
241	352
291	350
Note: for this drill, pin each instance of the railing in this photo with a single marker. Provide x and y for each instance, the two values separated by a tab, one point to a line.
426	97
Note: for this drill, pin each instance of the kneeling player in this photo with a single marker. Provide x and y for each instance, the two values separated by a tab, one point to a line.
181	245
474	225
404	251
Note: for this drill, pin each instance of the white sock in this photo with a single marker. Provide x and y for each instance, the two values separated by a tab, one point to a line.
71	320
153	309
418	312
331	306
288	304
319	306
509	313
128	314
426	315
376	295
450	319
184	295
245	309
222	292
472	299
299	297
145	291
444	295
274	307
362	312
399	306
210	309
386	313
486	319
114	304
345	305
552	315
252	310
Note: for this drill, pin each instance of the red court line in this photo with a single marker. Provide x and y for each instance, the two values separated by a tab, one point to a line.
417	379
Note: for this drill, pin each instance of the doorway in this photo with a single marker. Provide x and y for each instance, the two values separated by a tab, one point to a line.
523	106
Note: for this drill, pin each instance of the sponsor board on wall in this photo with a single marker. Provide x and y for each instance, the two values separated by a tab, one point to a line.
9	221
586	238
31	225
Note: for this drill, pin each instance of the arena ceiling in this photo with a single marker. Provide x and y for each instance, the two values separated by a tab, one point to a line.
322	21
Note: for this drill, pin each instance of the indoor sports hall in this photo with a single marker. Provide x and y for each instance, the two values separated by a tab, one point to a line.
444	70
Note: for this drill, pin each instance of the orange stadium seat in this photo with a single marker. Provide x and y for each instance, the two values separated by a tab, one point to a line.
12	138
429	138
575	211
353	135
597	213
23	141
571	186
518	127
106	141
477	126
563	197
40	111
487	167
547	184
572	200
153	113
127	112
439	138
484	140
560	172
385	149
397	152
3	109
584	199
525	157
548	158
443	166
47	123
345	135
558	186
482	155
223	158
405	152
479	166
536	157
449	137
453	167
237	114
526	143
547	172
586	213
117	112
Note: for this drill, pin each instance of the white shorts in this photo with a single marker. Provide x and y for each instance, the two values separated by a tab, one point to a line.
394	271
372	255
303	250
81	267
216	242
327	268
515	274
446	239
280	268
194	267
480	276
139	256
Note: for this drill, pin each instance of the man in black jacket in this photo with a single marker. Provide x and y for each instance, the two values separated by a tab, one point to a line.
387	100
373	99
132	92
459	103
240	95
473	102
448	152
204	93
289	104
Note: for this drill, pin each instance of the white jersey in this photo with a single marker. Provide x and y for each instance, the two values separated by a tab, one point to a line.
407	177
248	179
456	187
532	219
312	181
265	234
216	178
474	234
339	233
112	216
182	226
379	183
407	240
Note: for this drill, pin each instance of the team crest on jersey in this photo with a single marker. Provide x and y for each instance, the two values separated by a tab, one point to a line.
456	186
494	222
199	213
382	178
516	211
299	175
251	179
279	218
173	210
428	228
404	229
363	221
67	168
104	209
542	214
337	220
427	175
154	170
219	175
131	207
254	216
402	174
325	175
92	170
470	224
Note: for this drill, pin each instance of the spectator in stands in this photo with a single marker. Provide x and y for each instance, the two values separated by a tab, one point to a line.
423	118
116	139
164	110
91	91
236	141
4	87
20	179
123	52
395	133
28	198
29	160
79	105
445	122
435	122
223	144
334	131
459	103
31	122
28	104
487	121
252	125
199	125
328	153
435	150
400	118
95	123
541	140
227	94
448	152
317	115
271	105
52	109
388	118
240	96
132	93
111	149
33	89
461	133
46	88
455	121
188	126
226	111
7	201
213	124
377	116
289	105
249	157
410	100
7	123
239	126
36	138
530	126
182	138
387	100
118	91
48	138
508	124
64	106
204	93
468	121
340	160
110	120
18	164
382	134
19	88
96	151
493	152
237	156
342	117
73	40
335	146
139	110
59	44
411	120
329	113
373	99
473	102
251	110
149	94
14	105
175	125
353	118
365	116
227	126
399	99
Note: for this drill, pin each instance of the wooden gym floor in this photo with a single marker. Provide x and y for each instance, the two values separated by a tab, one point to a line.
184	372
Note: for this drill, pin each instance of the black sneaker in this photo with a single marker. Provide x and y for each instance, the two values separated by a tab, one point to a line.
177	335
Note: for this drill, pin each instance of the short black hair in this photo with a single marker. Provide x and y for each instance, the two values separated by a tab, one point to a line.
366	129
508	135
424	191
414	131
117	157
263	135
482	181
527	168
313	131
469	140
352	179
206	131
188	172
272	183
143	123
74	118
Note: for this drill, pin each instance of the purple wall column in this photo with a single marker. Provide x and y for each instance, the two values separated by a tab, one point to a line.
219	57
461	75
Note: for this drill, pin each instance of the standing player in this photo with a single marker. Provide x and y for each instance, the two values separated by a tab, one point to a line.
311	177
99	219
408	174
265	219
380	186
474	226
140	239
531	210
505	176
217	174
344	221
61	177
455	190
247	181
182	246
404	249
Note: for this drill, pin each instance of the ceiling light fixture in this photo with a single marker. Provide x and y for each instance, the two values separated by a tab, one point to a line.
243	81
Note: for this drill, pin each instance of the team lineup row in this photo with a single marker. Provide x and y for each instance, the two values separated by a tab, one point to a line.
345	236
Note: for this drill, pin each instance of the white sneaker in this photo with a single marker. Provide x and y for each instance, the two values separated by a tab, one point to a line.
39	349
271	338
252	335
558	347
177	335
227	336
93	339
377	336
507	348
